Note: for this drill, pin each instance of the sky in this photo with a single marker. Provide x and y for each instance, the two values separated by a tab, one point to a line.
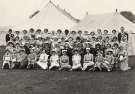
13	12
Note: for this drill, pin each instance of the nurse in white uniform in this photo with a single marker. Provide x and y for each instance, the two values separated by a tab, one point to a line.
43	60
76	59
54	61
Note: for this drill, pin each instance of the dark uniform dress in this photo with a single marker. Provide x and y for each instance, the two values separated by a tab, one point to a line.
64	62
9	37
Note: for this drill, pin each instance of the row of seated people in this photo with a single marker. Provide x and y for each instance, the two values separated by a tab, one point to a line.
75	61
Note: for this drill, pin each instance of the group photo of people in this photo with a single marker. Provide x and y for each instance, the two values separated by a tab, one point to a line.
66	50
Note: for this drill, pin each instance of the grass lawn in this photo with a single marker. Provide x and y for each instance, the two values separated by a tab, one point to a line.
41	82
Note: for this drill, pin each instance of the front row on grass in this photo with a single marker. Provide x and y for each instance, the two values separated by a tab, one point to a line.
20	60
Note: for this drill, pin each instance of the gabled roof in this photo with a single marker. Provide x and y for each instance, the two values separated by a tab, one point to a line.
107	21
64	12
51	17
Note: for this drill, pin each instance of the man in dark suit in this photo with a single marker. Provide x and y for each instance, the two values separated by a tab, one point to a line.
9	36
122	34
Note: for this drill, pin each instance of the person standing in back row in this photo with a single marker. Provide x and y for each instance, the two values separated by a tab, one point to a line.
9	36
122	34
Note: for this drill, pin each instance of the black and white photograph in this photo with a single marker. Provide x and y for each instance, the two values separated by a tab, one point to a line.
67	47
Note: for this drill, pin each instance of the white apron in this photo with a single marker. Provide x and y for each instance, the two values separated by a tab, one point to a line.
43	61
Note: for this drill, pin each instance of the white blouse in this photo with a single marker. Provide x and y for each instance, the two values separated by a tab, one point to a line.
43	57
76	59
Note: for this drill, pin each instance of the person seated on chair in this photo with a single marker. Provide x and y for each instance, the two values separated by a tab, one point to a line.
32	57
116	51
109	61
7	59
23	59
16	60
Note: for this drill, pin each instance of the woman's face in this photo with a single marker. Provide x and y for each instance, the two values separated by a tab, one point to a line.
76	52
107	38
17	32
32	51
10	45
43	51
116	46
70	39
92	34
99	54
87	51
17	45
66	45
64	53
25	32
73	33
46	31
59	31
113	32
105	32
99	31
122	29
114	39
10	31
31	31
93	39
100	37
80	32
109	53
53	53
55	39
108	46
17	38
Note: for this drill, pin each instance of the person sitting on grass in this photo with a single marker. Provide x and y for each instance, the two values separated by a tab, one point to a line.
64	61
88	63
32	57
54	61
109	61
99	60
7	59
43	60
76	60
